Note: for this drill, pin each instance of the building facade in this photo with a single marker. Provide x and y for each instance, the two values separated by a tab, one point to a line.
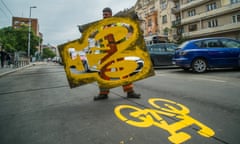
176	19
208	18
157	16
20	21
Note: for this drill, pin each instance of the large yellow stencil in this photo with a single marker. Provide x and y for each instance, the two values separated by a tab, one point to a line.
162	116
111	51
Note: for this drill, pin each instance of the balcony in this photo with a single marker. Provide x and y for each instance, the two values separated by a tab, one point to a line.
213	13
175	10
176	23
216	30
151	13
193	4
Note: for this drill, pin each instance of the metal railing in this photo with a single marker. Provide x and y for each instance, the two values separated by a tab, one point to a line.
15	63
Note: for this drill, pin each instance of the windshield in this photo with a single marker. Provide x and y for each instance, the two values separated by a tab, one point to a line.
183	45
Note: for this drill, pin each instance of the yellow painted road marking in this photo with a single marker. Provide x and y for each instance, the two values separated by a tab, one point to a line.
154	117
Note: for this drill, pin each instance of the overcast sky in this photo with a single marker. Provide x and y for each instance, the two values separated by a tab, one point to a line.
58	19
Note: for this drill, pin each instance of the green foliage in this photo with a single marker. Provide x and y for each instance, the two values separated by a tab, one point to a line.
7	39
13	40
48	53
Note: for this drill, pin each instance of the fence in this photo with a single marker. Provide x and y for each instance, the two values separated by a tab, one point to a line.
15	63
20	63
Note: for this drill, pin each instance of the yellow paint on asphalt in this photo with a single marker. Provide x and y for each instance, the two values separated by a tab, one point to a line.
163	108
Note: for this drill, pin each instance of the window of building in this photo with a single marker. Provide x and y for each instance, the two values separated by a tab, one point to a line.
163	4
213	23
211	6
192	27
192	12
146	13
180	31
149	22
152	9
235	1
16	22
236	18
164	19
165	31
145	2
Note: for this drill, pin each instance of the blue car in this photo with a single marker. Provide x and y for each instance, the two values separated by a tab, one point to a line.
202	54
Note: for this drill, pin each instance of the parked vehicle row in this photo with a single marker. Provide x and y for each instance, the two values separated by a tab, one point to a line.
200	55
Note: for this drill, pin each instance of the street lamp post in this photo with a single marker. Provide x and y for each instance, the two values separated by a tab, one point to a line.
29	30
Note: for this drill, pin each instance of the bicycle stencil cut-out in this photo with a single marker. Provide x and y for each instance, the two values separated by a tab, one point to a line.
111	51
156	116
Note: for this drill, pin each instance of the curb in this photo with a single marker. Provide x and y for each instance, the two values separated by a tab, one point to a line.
14	70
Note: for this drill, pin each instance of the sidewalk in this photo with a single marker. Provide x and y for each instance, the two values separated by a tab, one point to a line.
5	71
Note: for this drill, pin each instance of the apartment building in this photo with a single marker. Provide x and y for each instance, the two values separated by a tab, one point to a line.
157	18
208	18
176	19
19	21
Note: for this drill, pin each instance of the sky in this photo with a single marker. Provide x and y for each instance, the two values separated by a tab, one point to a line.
58	19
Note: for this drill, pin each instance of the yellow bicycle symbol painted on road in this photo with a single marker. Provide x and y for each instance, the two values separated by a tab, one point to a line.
163	108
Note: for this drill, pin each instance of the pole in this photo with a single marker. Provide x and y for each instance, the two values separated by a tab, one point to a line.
29	30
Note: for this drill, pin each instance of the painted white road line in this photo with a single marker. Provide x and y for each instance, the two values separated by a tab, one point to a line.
207	79
194	78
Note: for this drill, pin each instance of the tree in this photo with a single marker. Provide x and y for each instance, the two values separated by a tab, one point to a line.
48	53
8	39
16	39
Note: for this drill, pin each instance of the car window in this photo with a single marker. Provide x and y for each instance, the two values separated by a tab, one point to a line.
230	43
155	48
170	47
152	48
212	43
158	49
199	44
162	47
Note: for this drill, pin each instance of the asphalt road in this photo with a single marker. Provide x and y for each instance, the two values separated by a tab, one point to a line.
38	107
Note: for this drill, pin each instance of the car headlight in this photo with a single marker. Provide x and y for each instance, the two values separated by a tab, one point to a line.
182	53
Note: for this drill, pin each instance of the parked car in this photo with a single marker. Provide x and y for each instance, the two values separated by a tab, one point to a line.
82	55
202	54
162	53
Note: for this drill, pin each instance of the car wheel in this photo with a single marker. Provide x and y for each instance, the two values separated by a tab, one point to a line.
199	65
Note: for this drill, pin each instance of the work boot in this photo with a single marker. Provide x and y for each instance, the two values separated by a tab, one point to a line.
133	95
100	97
